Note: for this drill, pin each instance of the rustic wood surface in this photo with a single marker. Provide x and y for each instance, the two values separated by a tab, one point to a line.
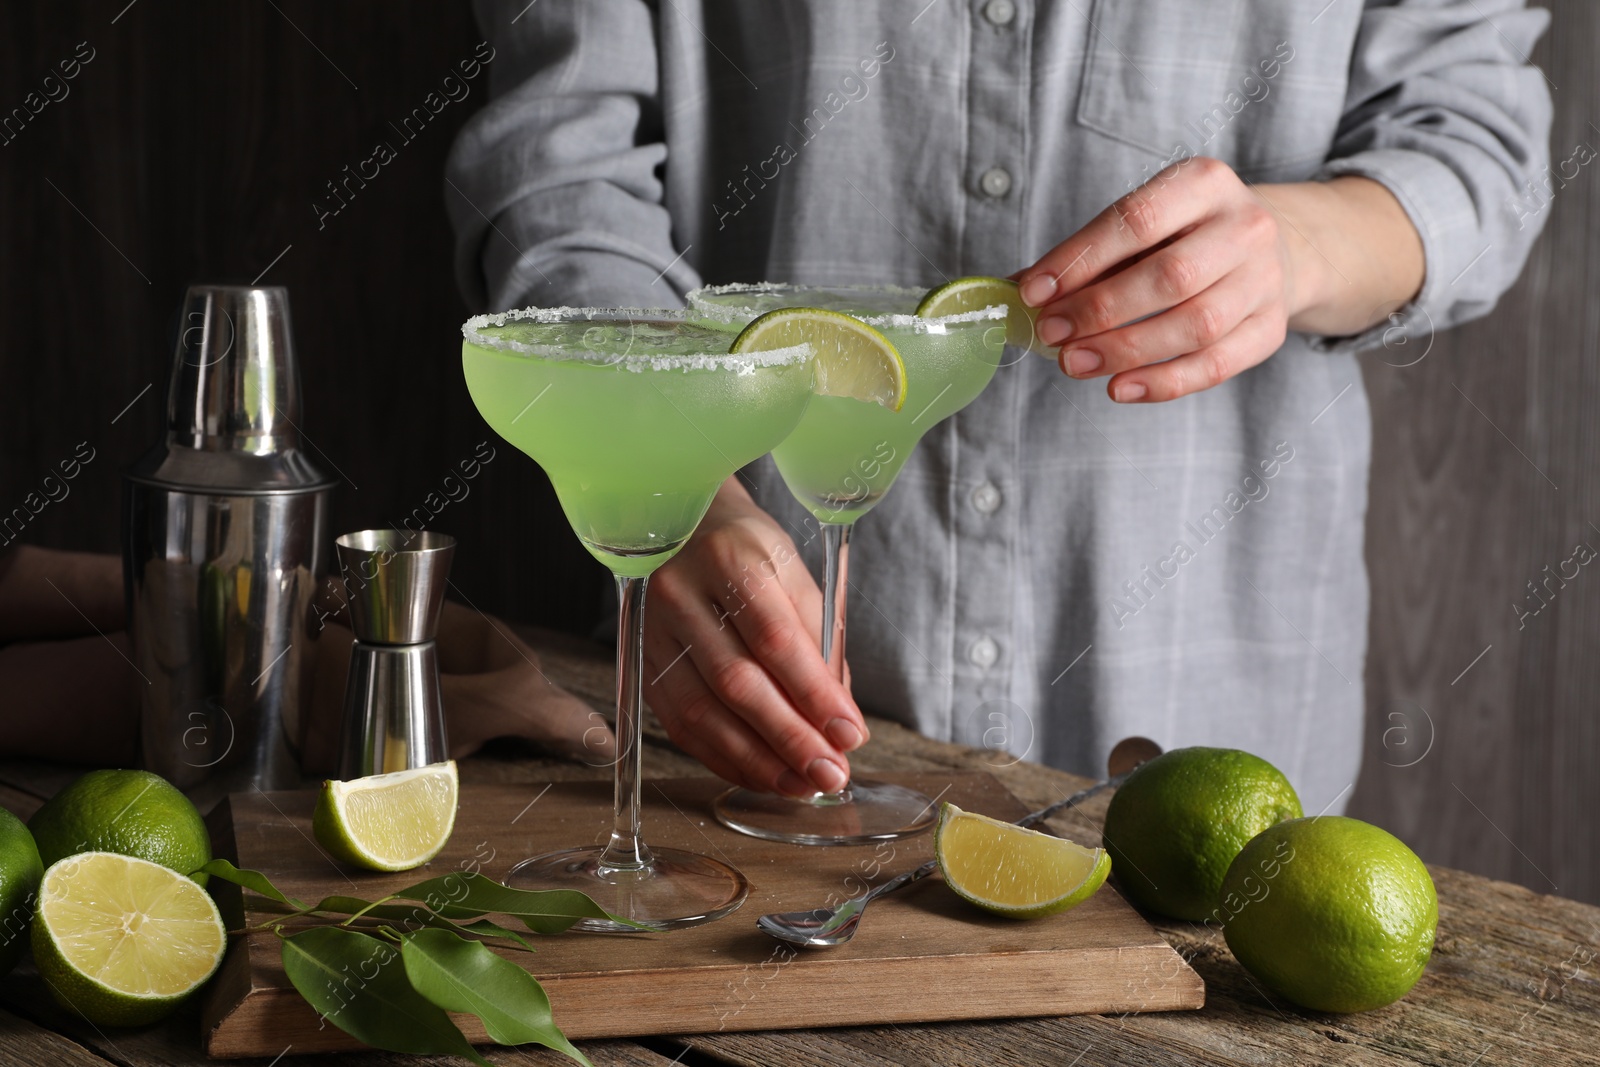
1512	981
194	144
725	976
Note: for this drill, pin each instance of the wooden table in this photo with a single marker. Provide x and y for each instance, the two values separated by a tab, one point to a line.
1513	977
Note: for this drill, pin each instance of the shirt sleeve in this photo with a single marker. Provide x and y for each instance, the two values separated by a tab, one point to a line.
1445	109
555	187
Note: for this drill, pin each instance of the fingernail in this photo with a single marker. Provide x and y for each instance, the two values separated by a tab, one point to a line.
1053	330
1127	392
1081	361
828	775
791	784
844	735
1037	290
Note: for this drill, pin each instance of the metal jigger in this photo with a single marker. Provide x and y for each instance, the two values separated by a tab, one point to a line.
393	714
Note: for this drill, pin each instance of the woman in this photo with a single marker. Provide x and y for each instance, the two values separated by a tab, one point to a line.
1214	206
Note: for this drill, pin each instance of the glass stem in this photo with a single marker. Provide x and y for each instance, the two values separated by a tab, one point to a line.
835	584
626	850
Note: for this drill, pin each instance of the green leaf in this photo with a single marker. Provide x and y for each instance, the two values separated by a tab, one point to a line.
464	895
254	881
485	928
359	984
411	917
462	975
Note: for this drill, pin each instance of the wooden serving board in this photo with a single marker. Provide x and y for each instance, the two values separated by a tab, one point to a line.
922	954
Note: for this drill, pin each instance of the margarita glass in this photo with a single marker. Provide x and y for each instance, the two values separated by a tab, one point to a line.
838	463
636	417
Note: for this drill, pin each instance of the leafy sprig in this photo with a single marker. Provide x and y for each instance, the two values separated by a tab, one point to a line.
420	954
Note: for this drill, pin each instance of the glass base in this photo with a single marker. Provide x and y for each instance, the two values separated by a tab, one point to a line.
678	889
864	812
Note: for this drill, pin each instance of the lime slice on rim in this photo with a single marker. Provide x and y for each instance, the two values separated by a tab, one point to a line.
388	822
1012	871
853	359
976	293
122	941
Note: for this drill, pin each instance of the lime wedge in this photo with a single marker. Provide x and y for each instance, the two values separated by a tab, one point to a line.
388	822
1011	871
122	941
853	359
976	293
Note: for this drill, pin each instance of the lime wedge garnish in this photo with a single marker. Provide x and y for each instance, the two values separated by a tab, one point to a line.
1012	871
976	293
121	940
388	822
853	359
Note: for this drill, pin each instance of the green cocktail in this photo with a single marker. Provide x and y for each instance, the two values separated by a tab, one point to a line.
845	454
838	463
636	423
637	418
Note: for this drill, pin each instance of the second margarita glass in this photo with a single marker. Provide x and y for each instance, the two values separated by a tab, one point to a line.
838	463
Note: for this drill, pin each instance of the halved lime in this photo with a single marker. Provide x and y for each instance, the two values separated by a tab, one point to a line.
389	822
1012	871
122	941
853	359
978	292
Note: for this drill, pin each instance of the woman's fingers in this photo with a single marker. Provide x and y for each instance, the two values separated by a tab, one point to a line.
1173	200
741	680
1195	323
703	726
737	675
704	639
1256	338
1178	271
1173	289
774	631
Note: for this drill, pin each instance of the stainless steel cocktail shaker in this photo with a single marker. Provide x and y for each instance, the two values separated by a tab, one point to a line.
224	541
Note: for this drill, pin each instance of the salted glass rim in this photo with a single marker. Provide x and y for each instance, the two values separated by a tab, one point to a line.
917	323
744	362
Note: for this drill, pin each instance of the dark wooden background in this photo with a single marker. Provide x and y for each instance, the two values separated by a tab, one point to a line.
195	142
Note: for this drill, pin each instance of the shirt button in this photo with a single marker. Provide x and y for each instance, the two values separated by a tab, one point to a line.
984	652
986	498
996	182
1000	12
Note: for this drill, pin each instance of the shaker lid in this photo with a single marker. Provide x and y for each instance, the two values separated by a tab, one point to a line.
233	403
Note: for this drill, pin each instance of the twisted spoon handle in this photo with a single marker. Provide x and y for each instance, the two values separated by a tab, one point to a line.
1036	817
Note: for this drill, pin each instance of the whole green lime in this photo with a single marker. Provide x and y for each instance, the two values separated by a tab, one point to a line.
1178	821
1333	913
134	813
20	871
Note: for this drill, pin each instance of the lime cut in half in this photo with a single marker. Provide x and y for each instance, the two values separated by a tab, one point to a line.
389	822
978	292
122	941
1012	871
853	359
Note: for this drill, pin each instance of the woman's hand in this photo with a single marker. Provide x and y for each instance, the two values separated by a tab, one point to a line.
732	661
1195	276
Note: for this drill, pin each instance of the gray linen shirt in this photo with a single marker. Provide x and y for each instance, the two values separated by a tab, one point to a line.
1053	571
